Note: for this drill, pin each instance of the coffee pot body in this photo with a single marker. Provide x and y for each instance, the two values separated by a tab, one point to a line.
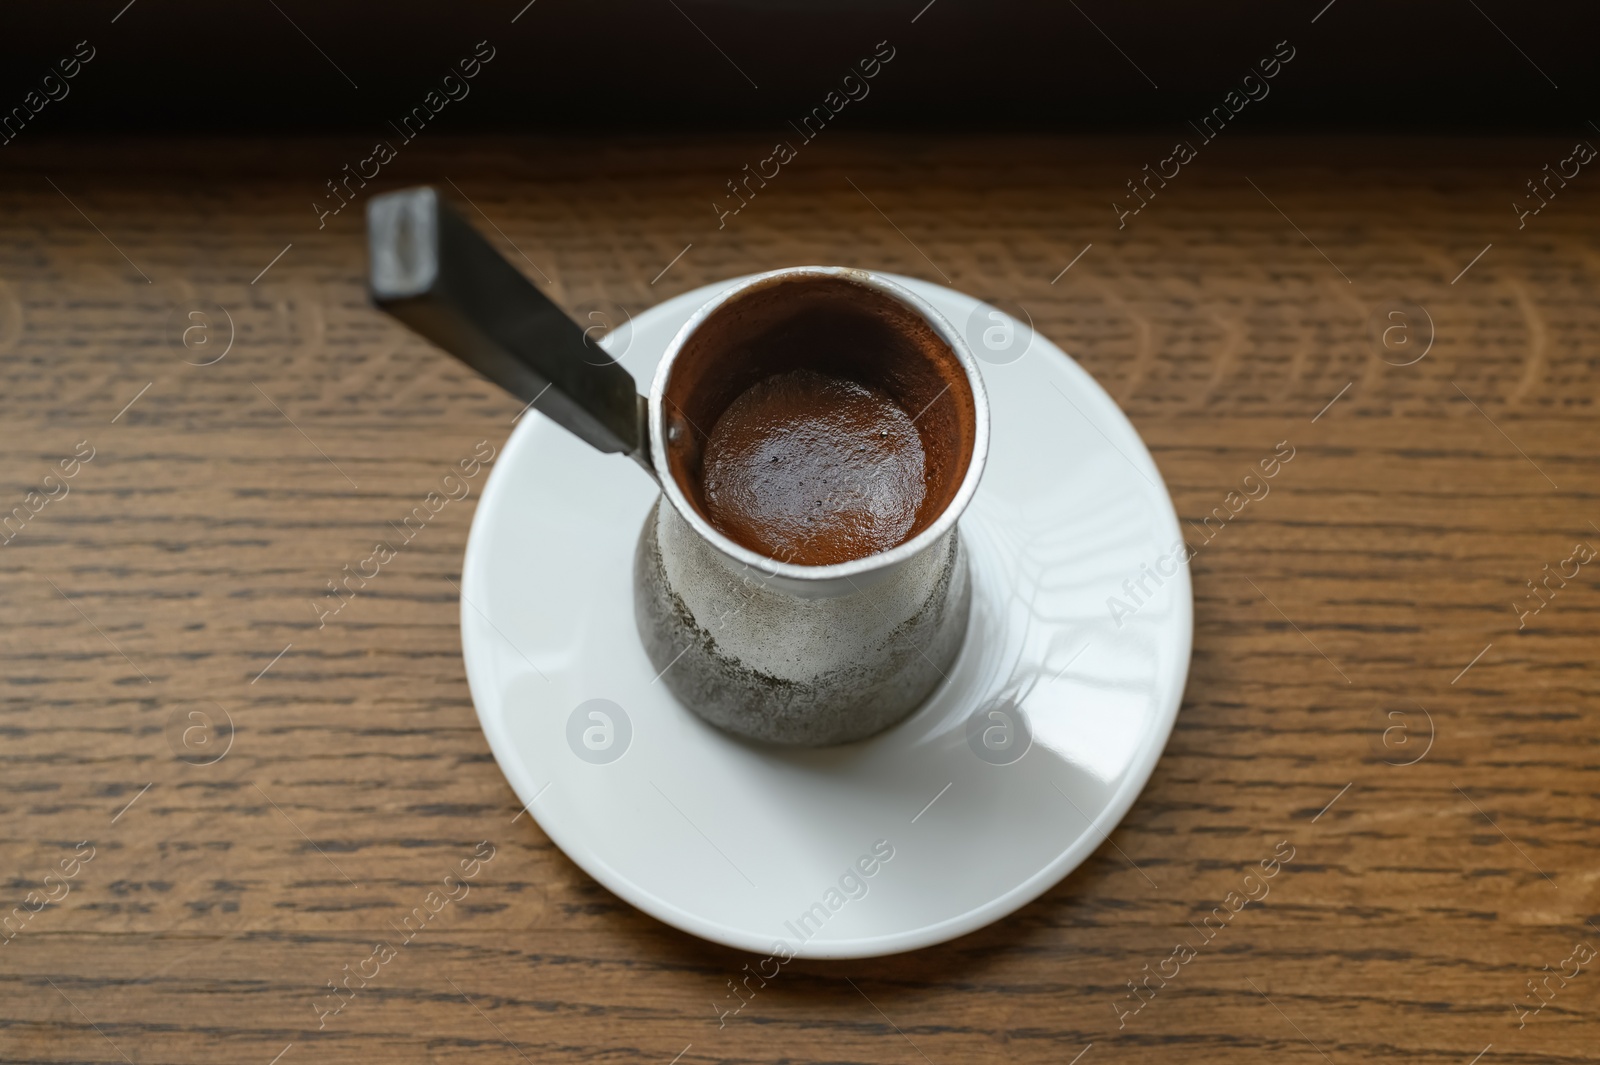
810	665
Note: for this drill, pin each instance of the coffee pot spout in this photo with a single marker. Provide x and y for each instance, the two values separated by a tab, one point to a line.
434	272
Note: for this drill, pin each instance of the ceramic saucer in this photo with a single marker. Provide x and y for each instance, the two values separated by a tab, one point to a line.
1013	772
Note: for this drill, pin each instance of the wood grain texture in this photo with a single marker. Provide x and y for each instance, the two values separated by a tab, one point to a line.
190	549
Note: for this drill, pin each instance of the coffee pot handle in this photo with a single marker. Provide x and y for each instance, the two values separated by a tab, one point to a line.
430	269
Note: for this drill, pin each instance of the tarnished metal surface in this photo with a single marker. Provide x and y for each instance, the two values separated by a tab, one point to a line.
768	665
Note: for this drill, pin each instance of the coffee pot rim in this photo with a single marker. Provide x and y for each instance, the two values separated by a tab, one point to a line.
870	565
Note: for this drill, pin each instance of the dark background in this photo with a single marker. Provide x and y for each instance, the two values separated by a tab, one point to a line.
192	67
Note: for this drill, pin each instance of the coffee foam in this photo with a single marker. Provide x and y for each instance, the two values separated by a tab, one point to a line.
832	329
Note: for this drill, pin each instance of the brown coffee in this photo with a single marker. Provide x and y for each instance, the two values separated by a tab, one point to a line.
813	469
818	421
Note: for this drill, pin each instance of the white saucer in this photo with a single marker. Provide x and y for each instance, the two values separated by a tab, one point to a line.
734	842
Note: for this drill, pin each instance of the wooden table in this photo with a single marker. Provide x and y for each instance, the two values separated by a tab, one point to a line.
1364	613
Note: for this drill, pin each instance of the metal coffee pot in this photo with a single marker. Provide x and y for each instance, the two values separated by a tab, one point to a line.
768	649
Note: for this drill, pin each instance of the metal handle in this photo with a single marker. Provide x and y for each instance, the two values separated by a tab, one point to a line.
440	277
